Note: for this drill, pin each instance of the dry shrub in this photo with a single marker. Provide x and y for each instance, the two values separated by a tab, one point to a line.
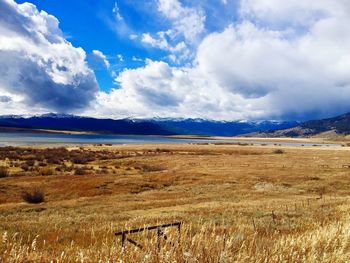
25	167
80	171
42	164
103	157
4	172
46	171
30	162
53	160
59	169
162	150
321	191
79	159
149	168
103	171
66	168
35	196
278	151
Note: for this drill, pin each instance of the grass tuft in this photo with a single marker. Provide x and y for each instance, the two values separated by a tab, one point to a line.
35	196
4	172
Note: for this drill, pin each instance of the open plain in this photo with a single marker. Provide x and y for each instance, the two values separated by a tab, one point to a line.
238	203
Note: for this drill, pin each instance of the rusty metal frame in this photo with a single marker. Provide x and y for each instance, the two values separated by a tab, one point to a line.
160	233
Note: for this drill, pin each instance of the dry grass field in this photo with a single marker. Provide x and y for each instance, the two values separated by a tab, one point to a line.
237	203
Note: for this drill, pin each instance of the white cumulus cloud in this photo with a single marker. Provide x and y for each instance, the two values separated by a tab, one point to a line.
158	89
270	63
186	21
39	68
187	26
99	56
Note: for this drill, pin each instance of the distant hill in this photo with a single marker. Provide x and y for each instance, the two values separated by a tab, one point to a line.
219	128
339	125
155	126
87	124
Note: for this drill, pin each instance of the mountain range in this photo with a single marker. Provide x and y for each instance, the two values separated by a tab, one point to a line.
339	125
156	126
168	126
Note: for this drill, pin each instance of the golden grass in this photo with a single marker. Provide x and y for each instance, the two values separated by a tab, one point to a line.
238	204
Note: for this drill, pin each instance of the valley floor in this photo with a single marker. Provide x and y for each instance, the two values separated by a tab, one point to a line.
237	203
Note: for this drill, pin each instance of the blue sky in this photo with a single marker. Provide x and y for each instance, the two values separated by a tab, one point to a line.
214	59
96	27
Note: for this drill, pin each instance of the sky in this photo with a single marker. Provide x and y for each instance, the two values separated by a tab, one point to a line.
212	59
